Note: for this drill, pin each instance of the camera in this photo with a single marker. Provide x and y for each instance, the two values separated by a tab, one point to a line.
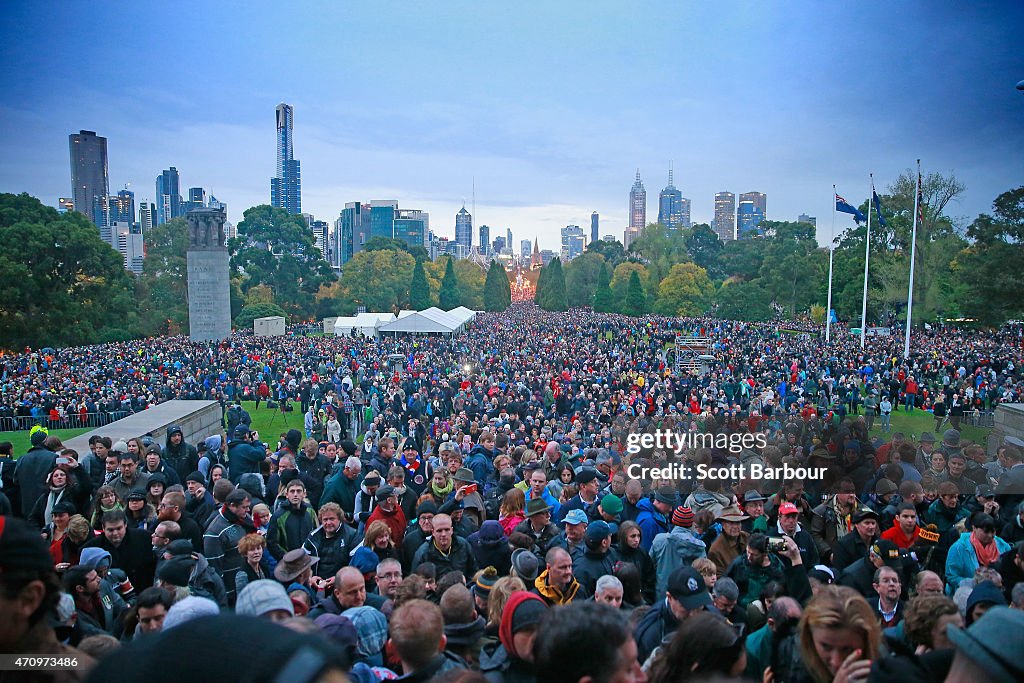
777	545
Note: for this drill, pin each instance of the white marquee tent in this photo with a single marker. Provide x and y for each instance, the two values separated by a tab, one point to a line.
366	324
430	321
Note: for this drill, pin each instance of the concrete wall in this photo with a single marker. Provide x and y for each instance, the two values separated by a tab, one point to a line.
197	419
1009	421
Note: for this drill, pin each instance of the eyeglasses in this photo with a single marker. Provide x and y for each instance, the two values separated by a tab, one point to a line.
158	536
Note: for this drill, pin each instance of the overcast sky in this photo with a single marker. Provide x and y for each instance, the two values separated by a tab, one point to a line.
550	106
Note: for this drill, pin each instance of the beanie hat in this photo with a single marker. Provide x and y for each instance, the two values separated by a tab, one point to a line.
119	446
427	507
293	437
682	516
528	613
176	571
38	437
187	609
196	476
179	547
339	630
985	592
364	559
485	582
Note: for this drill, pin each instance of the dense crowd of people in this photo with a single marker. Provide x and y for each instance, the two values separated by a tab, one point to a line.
460	509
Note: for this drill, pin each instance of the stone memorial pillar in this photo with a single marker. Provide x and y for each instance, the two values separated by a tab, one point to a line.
209	288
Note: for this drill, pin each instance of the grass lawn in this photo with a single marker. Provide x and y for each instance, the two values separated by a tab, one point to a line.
21	443
912	424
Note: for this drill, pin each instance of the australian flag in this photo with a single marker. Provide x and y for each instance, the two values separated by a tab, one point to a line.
846	207
878	208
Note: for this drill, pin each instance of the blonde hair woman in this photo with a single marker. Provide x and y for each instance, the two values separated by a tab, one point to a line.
839	636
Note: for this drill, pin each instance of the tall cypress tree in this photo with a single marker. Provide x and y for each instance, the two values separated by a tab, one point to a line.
604	301
636	299
554	288
449	296
497	293
419	289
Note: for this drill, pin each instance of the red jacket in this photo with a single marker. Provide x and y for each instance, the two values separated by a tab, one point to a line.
395	520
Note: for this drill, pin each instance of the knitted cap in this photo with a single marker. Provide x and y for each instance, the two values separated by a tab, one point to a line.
682	516
485	582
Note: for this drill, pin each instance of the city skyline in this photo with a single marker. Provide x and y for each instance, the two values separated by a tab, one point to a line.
871	92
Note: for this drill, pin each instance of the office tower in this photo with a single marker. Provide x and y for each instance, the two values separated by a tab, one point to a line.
684	212
122	207
196	199
168	196
412	226
65	204
572	242
508	238
525	246
546	256
638	204
464	230
321	237
286	185
725	215
609	238
146	215
214	203
485	239
355	230
804	218
750	214
628	236
498	245
129	241
670	205
90	182
595	221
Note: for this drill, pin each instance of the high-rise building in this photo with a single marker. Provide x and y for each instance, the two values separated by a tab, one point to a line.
572	242
751	213
628	236
684	212
804	218
321	238
90	182
508	238
485	239
196	199
609	238
670	202
525	246
595	224
147	215
168	196
498	245
638	204
214	203
412	226
464	230
353	231
122	207
129	242
286	185
725	215
546	256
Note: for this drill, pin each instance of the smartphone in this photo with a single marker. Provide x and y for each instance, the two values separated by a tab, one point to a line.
63	461
471	488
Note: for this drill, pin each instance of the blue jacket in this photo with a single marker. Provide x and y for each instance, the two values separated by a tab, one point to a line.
651	523
962	561
480	461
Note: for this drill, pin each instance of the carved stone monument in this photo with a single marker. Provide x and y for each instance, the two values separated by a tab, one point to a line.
209	288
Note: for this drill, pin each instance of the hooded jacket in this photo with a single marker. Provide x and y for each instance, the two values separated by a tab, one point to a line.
499	662
679	548
552	595
490	547
244	458
341	490
30	476
651	523
183	458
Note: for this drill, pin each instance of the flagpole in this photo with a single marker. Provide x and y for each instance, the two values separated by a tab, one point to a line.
867	256
913	255
832	237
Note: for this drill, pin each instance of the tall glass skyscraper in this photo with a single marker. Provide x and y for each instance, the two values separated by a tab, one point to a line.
670	201
750	214
286	185
464	231
168	196
485	239
90	182
637	205
725	215
595	222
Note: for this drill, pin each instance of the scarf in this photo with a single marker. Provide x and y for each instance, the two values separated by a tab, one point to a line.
552	594
987	554
505	634
442	492
844	520
52	499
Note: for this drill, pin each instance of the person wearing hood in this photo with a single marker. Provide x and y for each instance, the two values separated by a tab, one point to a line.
253	485
245	453
983	597
212	456
490	547
220	542
653	516
30	475
200	503
676	548
366	498
510	660
979	547
202	579
179	454
371	633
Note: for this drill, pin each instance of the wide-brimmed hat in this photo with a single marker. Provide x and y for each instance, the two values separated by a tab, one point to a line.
293	563
753	496
990	642
732	514
536	506
464	474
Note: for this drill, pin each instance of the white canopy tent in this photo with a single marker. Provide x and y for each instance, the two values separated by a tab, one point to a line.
430	321
463	314
345	327
365	324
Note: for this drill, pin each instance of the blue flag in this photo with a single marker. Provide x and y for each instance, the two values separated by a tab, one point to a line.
878	208
845	207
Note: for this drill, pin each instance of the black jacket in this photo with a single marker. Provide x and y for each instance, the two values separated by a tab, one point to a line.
30	476
848	550
134	556
459	558
591	566
653	627
333	552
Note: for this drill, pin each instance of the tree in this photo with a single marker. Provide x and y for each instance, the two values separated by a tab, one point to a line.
581	276
685	291
163	287
378	280
277	249
704	248
379	243
62	284
604	301
739	300
790	268
612	252
497	291
449	295
554	298
636	299
250	312
992	285
419	290
620	281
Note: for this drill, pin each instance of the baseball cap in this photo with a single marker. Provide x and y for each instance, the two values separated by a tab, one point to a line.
611	504
686	585
788	508
864	513
576	516
598	531
262	596
889	552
